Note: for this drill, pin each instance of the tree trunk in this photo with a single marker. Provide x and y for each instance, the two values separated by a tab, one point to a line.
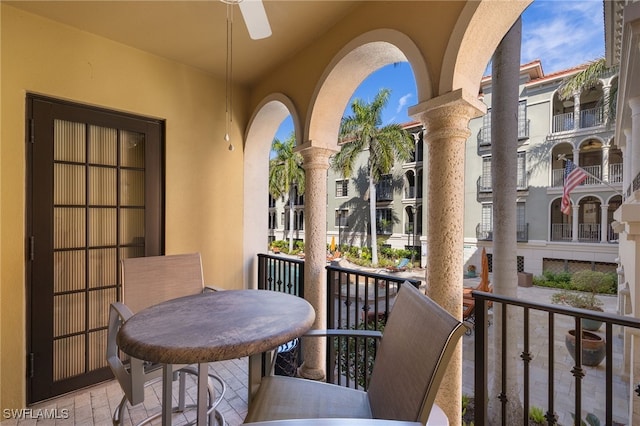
372	212
504	153
291	192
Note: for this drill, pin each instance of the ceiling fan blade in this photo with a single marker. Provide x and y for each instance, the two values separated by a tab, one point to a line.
256	19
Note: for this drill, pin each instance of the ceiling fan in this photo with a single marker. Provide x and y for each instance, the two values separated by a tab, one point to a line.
257	23
254	17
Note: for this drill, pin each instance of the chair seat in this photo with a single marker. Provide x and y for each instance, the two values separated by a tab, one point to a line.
295	398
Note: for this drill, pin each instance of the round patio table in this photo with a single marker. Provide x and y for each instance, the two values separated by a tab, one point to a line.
211	327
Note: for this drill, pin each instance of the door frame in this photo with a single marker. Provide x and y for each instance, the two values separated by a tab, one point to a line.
39	260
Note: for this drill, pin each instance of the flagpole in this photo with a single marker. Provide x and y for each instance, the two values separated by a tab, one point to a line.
561	157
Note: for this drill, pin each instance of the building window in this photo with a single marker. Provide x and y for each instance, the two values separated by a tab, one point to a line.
484	137
342	218
384	221
486	224
523	122
298	199
521	179
300	217
384	188
485	182
273	222
342	188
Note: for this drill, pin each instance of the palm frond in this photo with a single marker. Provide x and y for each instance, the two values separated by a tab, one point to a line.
583	80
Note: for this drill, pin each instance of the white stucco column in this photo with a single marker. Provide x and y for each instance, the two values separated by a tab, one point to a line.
627	178
316	164
634	103
575	209
446	121
605	162
604	216
606	91
576	111
576	156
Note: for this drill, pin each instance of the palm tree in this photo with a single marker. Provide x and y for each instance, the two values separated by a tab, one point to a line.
388	144
286	175
586	79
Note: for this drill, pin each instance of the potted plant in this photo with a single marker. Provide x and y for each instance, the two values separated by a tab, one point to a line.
593	347
471	271
588	284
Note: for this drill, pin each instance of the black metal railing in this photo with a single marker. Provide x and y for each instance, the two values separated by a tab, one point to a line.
362	300
281	274
357	300
528	311
484	233
635	184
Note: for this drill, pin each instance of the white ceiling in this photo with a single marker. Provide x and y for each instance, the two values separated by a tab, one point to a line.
194	32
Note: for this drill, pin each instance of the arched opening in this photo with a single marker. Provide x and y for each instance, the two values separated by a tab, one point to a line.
259	226
614	204
614	163
589	219
560	223
591	160
558	153
350	67
410	185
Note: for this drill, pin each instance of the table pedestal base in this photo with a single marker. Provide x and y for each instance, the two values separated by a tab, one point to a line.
205	411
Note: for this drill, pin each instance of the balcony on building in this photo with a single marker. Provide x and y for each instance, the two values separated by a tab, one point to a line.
484	134
485	233
584	110
384	188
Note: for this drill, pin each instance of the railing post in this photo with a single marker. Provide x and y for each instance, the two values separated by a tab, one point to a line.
480	351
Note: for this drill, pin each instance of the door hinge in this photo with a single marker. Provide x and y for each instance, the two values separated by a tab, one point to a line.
32	131
32	248
30	366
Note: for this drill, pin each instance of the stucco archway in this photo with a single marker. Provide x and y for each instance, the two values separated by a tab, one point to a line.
350	67
260	133
476	35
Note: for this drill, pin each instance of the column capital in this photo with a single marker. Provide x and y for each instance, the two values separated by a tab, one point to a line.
315	156
448	116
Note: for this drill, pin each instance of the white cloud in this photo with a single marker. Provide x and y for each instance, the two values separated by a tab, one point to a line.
403	102
562	34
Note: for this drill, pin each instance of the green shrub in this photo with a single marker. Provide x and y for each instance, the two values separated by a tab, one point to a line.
593	282
537	415
605	283
356	356
590	420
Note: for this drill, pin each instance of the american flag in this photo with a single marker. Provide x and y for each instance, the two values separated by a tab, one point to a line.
573	176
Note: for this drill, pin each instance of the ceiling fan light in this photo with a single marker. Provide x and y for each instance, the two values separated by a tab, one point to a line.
255	17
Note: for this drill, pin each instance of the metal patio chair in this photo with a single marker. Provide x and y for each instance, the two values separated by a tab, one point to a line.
147	281
419	339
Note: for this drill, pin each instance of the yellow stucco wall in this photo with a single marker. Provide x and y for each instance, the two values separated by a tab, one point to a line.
415	19
203	178
204	188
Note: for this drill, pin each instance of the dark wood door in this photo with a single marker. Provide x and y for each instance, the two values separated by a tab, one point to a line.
95	196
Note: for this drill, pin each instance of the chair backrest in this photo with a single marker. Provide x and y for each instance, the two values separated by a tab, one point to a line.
147	281
417	343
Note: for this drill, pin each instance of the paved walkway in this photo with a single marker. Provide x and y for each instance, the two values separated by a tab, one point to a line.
96	404
593	386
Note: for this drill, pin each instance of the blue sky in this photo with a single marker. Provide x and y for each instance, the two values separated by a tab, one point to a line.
561	33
